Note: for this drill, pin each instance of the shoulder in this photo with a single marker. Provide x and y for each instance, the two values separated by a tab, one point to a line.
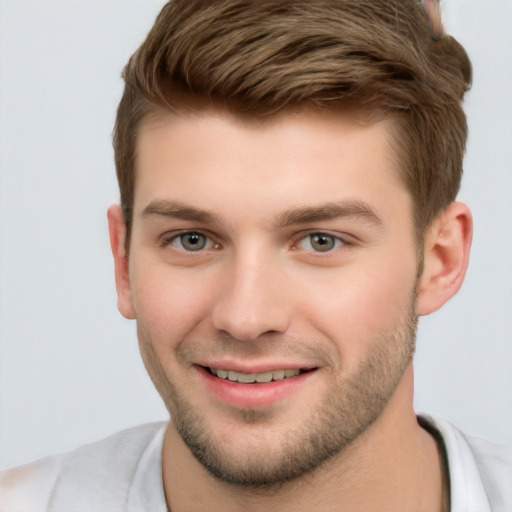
100	471
494	464
27	488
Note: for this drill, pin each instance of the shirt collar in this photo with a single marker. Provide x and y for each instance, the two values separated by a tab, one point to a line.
467	492
147	489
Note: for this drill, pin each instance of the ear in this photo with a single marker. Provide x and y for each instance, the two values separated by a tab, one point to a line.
446	257
117	233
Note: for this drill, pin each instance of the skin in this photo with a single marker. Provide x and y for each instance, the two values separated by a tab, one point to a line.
263	294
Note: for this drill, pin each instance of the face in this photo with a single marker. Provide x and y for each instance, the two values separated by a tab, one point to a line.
272	271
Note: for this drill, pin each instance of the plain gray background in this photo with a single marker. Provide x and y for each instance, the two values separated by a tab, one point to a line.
70	371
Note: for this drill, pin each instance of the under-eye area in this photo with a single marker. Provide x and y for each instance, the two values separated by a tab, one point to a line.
256	378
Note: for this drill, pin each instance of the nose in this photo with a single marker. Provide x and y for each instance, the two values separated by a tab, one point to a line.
252	300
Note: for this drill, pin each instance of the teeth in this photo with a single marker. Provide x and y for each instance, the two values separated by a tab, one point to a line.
250	378
247	378
281	374
264	377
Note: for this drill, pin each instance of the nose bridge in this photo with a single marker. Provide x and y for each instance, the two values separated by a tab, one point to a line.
250	302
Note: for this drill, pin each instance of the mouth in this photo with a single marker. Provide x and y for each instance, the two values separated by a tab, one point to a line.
257	378
246	389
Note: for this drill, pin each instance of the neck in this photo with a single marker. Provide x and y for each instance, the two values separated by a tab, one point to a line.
394	465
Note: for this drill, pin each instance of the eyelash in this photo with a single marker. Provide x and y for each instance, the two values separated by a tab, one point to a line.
338	241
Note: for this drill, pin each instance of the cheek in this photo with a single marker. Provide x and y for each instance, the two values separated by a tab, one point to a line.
358	304
169	304
384	294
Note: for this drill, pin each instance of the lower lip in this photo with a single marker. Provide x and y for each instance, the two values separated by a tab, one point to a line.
252	395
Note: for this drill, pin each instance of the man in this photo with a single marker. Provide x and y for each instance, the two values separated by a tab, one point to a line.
288	174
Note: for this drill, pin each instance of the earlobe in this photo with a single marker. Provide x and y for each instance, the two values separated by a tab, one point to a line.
447	246
117	233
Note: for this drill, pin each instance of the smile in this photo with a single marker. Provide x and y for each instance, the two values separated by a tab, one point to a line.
252	378
246	389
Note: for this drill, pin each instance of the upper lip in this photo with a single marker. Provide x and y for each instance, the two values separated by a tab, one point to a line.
246	367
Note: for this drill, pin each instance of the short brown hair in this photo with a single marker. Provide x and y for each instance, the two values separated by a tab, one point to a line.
258	57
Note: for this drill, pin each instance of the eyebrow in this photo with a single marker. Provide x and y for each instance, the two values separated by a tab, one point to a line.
177	210
298	215
330	211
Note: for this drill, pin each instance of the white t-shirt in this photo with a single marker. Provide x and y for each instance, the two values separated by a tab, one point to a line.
123	473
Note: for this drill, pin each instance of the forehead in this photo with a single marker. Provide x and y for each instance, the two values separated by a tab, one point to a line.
217	160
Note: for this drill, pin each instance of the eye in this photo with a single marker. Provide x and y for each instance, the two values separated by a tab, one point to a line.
191	241
320	242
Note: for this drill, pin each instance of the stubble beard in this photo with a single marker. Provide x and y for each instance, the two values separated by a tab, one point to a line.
353	404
